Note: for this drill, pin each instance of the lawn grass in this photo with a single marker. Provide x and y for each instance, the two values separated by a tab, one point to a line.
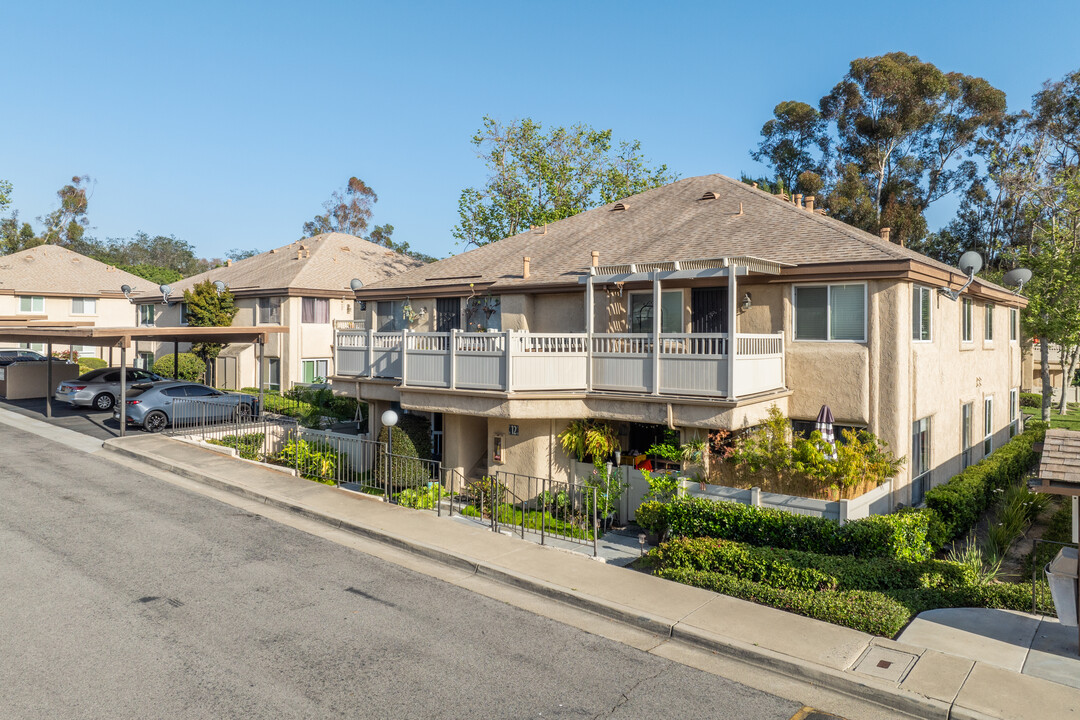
1069	421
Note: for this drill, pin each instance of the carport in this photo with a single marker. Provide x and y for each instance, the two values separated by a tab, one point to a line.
123	338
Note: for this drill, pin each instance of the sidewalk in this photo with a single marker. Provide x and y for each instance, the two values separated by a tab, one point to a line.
907	677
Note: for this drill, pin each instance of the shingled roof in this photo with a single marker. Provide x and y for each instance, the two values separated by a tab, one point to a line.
54	270
673	222
321	264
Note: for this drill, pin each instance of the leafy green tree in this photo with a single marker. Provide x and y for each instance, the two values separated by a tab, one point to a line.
794	142
206	307
67	224
6	189
236	255
16	236
540	177
347	211
154	273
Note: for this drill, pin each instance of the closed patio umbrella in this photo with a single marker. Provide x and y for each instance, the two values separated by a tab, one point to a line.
824	424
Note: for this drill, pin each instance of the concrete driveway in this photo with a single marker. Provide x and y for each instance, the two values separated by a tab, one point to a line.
96	424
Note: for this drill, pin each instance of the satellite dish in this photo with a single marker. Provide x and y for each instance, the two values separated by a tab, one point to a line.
1017	277
219	286
970	263
126	289
356	284
165	290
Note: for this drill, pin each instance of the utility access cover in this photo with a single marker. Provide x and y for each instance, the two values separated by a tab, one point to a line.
891	665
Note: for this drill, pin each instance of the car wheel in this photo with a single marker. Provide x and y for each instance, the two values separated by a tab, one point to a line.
244	411
104	401
155	421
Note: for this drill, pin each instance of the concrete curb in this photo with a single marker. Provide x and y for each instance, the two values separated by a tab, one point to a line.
864	688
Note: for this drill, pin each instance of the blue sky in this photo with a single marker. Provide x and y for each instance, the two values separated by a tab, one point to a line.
228	124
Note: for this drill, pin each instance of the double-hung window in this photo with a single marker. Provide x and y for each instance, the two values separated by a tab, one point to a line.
830	312
1014	411
920	460
988	425
83	306
31	304
315	371
389	316
920	313
966	413
314	310
965	319
146	315
273	373
989	335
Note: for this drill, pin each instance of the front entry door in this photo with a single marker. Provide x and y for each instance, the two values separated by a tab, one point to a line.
708	310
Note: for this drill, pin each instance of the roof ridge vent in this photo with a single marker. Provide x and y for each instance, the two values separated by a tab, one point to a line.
620	206
709	195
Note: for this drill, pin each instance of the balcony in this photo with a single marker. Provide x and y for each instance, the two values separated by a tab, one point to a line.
514	361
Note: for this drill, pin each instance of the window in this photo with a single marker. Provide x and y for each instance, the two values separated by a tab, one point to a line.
270	311
1014	324
671	312
920	313
315	371
447	314
199	391
83	306
145	360
965	320
31	304
183	313
831	312
989	336
36	347
988	426
920	460
1014	411
315	310
483	314
966	413
85	350
273	373
389	316
146	315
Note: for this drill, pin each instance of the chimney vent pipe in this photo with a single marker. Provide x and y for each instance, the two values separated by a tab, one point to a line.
525	266
810	203
885	234
595	258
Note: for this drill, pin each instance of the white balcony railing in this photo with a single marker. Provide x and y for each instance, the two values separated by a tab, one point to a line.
687	364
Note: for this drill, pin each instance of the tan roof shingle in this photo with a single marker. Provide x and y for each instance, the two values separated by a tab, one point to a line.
54	270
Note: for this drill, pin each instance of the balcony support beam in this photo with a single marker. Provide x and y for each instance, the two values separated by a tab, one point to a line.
656	320
732	338
589	330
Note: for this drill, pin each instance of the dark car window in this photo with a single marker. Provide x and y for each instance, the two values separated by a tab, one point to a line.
175	391
111	377
200	391
92	375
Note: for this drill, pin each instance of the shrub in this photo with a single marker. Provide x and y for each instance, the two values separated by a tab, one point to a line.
960	502
420	498
191	368
313	460
1032	400
86	364
809	570
901	535
870	612
411	448
248	446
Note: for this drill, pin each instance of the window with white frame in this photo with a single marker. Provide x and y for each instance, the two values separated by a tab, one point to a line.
671	312
145	360
920	460
967	412
1014	411
31	304
273	373
36	347
830	312
270	311
1014	324
83	306
314	310
965	319
988	426
85	350
920	313
146	315
989	335
315	371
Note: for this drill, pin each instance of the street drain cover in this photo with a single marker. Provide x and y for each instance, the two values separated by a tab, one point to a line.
891	665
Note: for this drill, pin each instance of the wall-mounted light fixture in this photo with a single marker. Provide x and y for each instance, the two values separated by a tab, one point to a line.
747	301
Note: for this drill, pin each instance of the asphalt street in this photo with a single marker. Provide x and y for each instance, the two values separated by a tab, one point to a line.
125	596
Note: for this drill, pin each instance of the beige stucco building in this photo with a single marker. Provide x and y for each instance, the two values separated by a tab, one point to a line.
52	284
304	286
762	301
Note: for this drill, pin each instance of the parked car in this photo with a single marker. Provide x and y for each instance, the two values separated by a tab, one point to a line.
175	402
8	357
100	388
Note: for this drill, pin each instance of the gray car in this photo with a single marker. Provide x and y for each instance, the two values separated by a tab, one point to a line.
99	389
179	403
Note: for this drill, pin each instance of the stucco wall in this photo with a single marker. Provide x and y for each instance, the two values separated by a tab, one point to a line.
535	451
109	312
563	312
464	442
766	313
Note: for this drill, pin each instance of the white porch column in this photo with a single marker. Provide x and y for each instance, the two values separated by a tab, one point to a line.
732	337
589	329
655	333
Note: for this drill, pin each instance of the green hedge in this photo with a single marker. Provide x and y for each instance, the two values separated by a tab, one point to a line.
958	504
799	570
878	613
1033	400
191	367
902	536
411	439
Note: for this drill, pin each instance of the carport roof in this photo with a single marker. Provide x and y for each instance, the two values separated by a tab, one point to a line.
124	336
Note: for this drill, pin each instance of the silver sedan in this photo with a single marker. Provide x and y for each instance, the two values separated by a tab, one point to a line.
100	388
